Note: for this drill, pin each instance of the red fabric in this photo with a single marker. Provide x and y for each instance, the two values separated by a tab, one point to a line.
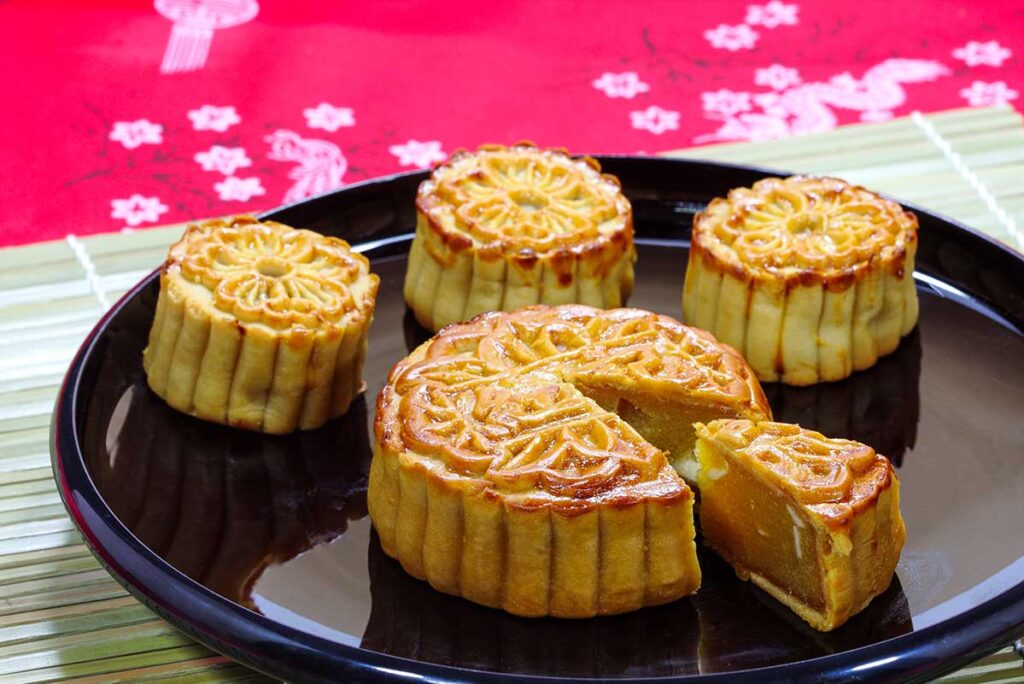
79	80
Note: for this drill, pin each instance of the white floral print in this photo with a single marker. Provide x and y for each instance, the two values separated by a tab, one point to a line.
225	160
655	120
419	154
725	102
777	77
213	118
989	53
809	107
328	117
982	94
131	134
239	189
626	84
771	103
773	14
731	38
137	209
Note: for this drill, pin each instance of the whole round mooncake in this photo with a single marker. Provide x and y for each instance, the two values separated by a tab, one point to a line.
809	278
524	460
505	227
260	326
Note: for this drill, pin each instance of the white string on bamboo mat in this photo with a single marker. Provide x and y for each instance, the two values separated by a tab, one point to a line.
954	158
78	249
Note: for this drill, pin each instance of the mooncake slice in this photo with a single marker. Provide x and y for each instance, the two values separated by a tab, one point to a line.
813	521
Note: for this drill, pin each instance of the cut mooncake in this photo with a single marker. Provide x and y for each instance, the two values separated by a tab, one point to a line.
809	278
813	521
260	326
506	227
523	460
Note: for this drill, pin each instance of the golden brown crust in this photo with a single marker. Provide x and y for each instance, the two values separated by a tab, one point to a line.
809	278
804	230
835	479
498	476
813	521
523	202
582	342
620	347
506	227
260	326
267	272
533	443
492	399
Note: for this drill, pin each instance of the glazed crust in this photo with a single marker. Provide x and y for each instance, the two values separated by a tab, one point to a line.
505	227
835	479
843	491
809	278
488	434
260	326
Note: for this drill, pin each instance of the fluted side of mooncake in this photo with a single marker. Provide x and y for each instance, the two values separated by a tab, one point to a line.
443	286
213	369
810	279
260	326
504	228
569	561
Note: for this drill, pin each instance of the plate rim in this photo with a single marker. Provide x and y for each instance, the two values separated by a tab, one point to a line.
938	648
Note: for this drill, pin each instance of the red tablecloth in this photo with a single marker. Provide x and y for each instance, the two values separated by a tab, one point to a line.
128	114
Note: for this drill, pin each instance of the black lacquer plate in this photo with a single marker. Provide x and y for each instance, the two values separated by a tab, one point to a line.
260	546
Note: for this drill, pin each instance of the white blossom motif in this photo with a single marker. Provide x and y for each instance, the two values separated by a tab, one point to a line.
225	160
655	120
328	117
982	94
212	118
772	104
773	14
731	38
777	77
320	164
239	189
131	134
989	53
419	154
137	209
194	24
627	84
809	107
725	102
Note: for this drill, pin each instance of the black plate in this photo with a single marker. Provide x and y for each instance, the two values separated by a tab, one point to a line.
260	547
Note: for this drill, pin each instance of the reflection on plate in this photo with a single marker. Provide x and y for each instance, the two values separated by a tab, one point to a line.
724	647
725	626
879	406
220	504
411	620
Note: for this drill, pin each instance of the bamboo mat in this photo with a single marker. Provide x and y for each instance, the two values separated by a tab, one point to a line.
63	617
